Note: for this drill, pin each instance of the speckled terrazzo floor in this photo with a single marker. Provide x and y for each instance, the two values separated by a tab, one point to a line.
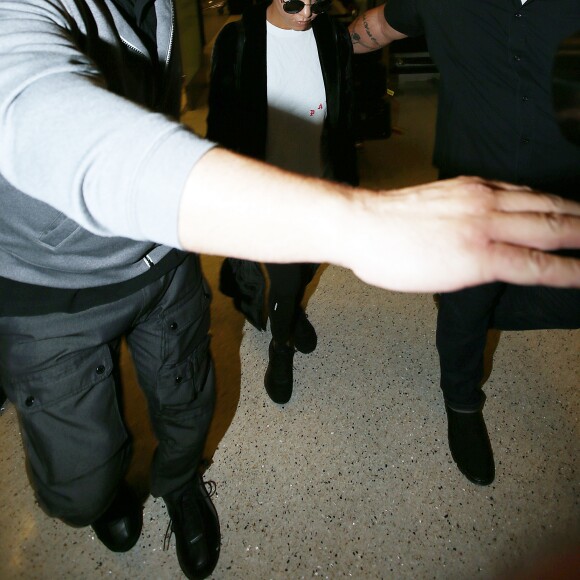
352	478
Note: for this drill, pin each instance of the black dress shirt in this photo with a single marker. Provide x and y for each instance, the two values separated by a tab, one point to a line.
495	116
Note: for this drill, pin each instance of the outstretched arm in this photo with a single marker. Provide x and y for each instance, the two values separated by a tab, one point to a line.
370	31
436	237
168	186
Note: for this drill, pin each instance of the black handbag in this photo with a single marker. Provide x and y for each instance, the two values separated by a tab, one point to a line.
243	280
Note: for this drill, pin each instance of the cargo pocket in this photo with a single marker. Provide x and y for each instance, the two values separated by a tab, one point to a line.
179	385
70	416
186	324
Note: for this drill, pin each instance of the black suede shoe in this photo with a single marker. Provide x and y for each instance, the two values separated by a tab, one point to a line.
278	379
305	338
470	446
120	526
195	523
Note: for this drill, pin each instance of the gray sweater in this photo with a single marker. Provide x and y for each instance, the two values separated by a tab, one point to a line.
90	176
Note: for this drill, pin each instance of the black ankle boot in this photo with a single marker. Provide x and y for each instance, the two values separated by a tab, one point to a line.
279	374
195	523
470	446
120	526
305	339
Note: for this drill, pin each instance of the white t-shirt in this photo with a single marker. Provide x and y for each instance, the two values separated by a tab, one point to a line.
296	101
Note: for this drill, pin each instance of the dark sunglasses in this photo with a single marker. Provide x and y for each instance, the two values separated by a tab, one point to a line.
296	6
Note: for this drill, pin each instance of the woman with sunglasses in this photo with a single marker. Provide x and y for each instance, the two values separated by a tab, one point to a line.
281	91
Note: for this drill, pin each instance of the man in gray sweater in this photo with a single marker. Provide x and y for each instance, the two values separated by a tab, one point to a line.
106	197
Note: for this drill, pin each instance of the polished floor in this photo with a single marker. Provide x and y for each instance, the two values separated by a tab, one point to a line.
352	478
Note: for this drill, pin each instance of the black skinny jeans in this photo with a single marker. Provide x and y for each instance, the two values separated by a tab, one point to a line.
287	285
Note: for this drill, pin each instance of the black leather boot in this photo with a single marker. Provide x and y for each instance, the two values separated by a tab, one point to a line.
120	526
305	339
279	374
195	523
470	446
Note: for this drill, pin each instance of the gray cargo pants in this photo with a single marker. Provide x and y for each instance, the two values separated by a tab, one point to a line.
61	372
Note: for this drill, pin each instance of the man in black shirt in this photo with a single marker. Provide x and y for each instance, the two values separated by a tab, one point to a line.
495	119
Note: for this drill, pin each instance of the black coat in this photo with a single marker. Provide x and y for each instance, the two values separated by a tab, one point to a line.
238	108
238	117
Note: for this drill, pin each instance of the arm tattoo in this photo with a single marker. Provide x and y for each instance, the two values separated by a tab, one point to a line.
368	30
356	37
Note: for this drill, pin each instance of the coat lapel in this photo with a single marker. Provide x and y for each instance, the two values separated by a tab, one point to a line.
327	45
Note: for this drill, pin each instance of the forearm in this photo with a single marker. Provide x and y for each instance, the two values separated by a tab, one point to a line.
236	206
370	31
435	237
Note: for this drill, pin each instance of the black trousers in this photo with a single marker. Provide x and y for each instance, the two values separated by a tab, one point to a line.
61	373
287	285
465	316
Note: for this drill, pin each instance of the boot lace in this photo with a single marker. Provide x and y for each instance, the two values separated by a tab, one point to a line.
185	500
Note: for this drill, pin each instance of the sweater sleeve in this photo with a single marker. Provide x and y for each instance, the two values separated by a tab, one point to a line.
343	140
224	113
67	139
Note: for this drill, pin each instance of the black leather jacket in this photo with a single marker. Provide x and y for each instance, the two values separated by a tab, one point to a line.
238	106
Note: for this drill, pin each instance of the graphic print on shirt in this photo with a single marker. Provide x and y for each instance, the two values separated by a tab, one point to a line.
318	109
296	101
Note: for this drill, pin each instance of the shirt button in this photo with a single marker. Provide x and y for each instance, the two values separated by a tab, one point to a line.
525	98
517	57
29	401
100	369
524	140
518	14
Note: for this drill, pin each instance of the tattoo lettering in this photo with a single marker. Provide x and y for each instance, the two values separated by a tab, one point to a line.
356	38
368	30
